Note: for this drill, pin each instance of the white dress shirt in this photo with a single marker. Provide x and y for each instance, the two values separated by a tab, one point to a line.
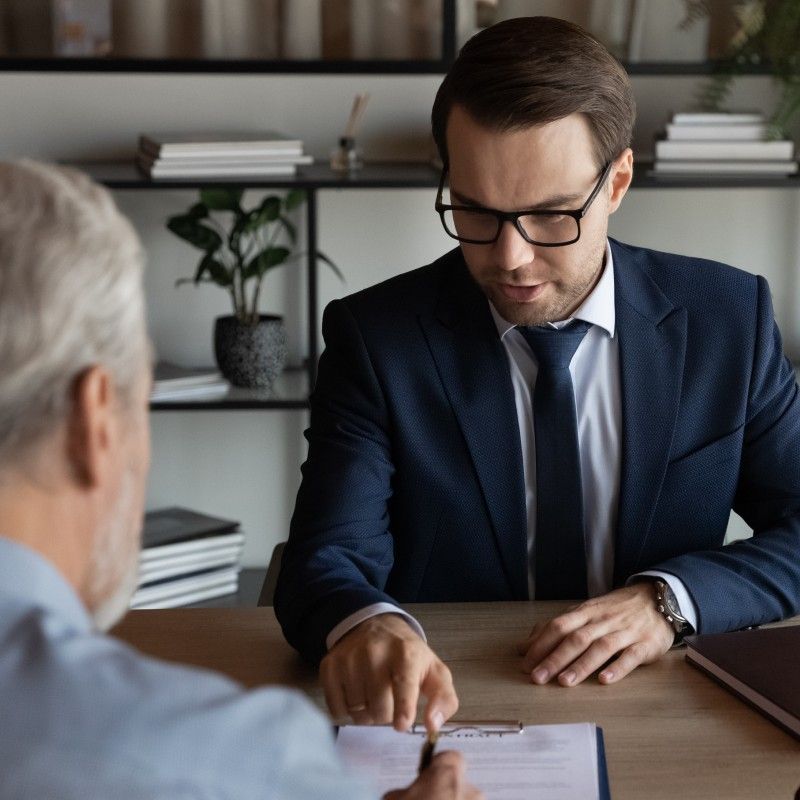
596	382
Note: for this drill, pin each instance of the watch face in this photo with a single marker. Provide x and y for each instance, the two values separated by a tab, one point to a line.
670	603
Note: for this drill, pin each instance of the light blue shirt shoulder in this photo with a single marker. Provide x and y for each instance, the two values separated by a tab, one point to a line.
86	716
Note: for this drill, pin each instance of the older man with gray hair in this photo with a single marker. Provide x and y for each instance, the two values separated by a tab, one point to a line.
83	715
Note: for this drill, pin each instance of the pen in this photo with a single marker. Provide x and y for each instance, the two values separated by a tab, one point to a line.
426	756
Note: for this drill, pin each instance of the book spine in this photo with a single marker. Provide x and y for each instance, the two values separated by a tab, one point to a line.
716	118
725	150
727	167
749	133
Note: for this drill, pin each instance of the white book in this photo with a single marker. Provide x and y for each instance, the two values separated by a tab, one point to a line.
222	172
181	586
219	153
212	391
248	160
192	143
717	117
190	597
184	565
725	167
205	544
723	151
167	375
755	132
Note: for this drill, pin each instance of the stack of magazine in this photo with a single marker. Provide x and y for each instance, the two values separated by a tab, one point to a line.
187	557
219	155
173	383
722	143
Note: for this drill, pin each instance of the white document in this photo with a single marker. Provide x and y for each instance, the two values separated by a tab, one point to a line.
545	762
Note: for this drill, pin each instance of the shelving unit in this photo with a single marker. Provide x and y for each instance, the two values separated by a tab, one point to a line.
291	390
293	387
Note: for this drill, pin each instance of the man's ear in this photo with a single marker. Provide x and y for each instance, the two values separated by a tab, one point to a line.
90	427
621	177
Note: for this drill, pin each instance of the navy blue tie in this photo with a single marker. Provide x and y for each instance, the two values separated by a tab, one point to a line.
559	556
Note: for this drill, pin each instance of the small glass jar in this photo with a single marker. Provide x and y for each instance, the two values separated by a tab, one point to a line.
346	157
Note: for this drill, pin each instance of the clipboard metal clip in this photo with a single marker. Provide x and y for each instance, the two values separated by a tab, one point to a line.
476	729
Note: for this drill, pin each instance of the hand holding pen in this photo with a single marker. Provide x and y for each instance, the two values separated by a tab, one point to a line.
443	779
426	756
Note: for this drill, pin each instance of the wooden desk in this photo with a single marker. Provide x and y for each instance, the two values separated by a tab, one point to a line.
670	731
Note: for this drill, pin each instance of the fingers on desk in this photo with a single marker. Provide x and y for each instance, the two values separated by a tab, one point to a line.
573	627
438	687
380	683
574	645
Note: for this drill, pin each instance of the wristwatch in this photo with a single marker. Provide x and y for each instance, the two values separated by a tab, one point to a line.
667	606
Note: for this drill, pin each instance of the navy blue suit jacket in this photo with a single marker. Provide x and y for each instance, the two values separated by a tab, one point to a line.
413	489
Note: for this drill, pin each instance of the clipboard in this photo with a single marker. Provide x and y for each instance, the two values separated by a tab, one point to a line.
477	728
365	747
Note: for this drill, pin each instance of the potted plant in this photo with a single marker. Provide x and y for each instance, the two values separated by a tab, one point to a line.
239	247
768	33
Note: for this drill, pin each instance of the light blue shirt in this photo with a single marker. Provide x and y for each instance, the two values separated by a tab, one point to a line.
85	716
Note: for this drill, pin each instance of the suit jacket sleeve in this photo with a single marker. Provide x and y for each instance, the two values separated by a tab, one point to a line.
757	580
340	551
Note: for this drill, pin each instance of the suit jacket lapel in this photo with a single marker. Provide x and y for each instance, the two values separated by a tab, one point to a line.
473	367
652	348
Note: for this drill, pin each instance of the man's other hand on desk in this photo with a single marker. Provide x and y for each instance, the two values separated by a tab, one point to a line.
375	673
623	625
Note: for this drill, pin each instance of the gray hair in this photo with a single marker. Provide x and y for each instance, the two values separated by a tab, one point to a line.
71	297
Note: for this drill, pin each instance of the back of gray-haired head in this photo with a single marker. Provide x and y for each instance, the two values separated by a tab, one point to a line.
70	297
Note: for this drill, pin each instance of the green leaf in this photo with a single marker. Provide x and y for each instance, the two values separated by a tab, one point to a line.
336	270
266	260
216	271
222	199
294	199
268	211
197	211
240	226
290	228
188	229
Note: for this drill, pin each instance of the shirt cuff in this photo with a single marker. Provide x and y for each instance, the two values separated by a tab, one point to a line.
685	602
348	623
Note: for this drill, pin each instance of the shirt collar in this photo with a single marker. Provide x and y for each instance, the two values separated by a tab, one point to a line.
597	309
28	577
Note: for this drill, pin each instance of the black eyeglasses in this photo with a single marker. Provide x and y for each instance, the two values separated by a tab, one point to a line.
546	228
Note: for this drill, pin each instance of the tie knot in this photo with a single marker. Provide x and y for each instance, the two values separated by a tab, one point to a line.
554	347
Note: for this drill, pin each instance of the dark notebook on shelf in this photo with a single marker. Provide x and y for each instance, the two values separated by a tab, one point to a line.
762	667
170	525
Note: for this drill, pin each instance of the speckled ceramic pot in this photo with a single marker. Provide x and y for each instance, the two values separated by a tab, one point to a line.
250	355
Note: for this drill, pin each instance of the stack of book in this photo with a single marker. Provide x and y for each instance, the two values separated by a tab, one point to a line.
219	155
172	383
187	557
722	144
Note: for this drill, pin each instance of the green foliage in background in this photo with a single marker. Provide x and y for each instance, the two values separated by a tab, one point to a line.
770	36
240	245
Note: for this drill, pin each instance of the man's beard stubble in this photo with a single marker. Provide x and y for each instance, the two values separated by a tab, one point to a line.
114	568
562	306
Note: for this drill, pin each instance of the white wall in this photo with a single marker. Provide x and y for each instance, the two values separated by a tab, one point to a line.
246	464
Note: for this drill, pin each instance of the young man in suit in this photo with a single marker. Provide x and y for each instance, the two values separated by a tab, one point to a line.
543	412
85	716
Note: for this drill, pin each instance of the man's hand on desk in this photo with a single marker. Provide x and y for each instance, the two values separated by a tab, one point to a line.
444	779
376	672
623	623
